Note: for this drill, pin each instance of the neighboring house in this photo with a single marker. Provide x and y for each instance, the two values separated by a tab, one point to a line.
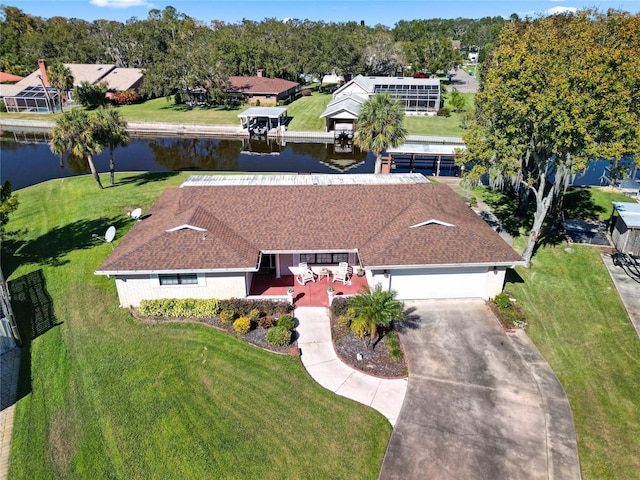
9	77
263	90
419	96
19	99
207	238
625	227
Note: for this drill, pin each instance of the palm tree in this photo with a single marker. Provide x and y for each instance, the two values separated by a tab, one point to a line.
380	125
373	311
76	132
112	131
61	79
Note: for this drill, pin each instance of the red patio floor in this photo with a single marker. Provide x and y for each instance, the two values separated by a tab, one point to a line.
311	294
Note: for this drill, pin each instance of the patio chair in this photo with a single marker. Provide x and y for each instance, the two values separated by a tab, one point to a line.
342	274
304	274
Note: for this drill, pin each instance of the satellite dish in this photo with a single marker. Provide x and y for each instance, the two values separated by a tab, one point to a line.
110	235
136	213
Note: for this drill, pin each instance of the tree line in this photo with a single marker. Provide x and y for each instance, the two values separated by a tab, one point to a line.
179	52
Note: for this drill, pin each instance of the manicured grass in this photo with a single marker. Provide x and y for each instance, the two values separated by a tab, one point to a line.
304	113
591	203
577	321
103	395
164	110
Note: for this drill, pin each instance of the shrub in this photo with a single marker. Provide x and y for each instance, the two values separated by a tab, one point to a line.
227	316
305	92
242	325
511	315
180	308
444	112
502	301
359	327
125	97
265	322
206	308
243	306
254	314
287	322
279	336
339	306
344	322
393	346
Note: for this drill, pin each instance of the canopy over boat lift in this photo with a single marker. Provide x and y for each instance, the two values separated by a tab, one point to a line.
259	120
434	157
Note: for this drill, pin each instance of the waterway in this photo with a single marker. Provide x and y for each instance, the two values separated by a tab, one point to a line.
25	158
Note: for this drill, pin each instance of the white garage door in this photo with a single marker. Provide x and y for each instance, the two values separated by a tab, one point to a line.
420	284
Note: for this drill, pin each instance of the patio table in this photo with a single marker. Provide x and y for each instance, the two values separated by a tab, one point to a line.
324	272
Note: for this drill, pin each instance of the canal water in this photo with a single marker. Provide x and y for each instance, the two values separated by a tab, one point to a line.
25	158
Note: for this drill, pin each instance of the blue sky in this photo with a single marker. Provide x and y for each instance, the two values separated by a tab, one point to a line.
386	12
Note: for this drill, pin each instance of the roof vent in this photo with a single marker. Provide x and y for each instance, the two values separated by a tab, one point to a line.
432	221
185	226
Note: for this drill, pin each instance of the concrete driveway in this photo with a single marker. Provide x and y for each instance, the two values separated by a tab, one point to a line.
480	404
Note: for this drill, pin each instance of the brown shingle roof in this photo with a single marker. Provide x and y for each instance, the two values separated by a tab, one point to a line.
240	221
260	85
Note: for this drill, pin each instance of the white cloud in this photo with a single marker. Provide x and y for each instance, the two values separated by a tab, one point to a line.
557	10
120	3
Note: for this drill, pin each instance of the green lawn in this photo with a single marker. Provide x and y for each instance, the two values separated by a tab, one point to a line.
591	203
304	113
103	395
577	321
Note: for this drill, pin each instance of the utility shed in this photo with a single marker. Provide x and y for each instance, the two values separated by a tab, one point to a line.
625	227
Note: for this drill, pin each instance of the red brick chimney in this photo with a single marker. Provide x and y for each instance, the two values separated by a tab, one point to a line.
43	72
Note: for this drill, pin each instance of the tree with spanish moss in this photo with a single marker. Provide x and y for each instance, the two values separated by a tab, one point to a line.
556	93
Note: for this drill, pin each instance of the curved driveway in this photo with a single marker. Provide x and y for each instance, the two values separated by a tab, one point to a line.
480	404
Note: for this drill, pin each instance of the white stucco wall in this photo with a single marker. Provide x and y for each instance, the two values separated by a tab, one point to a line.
134	288
413	284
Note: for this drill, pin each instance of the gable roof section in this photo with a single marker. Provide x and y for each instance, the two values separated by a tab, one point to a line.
260	85
242	220
9	77
346	103
121	79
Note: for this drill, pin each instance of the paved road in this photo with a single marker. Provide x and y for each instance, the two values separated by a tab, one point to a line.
480	404
464	82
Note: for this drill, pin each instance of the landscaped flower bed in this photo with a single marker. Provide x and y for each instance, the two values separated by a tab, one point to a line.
381	356
509	313
250	320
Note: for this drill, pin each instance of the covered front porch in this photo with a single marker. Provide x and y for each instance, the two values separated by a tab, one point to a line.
311	294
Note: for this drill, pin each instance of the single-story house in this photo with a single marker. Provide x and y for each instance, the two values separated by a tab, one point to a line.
209	237
263	90
625	227
419	96
117	80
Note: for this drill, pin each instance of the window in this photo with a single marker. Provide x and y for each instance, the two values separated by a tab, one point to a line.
179	279
324	258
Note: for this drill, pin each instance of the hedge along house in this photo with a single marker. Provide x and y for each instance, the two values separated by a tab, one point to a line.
264	91
418	96
625	227
211	236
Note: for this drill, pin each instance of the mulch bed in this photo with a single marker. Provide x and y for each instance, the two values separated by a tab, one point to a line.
374	361
255	337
